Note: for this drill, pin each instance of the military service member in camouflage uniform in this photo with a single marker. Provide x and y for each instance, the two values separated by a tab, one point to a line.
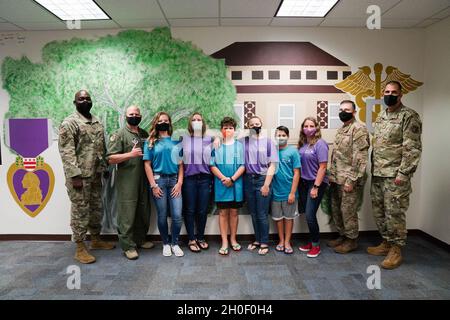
82	148
396	152
133	216
347	176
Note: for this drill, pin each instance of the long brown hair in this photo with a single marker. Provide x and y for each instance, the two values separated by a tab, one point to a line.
190	129
153	133
303	139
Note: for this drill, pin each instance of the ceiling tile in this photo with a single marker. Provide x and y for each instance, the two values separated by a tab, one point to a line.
296	22
442	14
25	11
142	23
344	22
42	25
131	9
427	22
399	23
182	9
248	8
194	22
4	26
245	21
99	24
358	8
416	9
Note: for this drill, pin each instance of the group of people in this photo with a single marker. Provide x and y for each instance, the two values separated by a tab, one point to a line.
272	177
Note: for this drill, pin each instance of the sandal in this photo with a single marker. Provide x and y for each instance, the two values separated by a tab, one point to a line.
263	250
223	251
194	247
280	248
203	244
236	247
288	250
252	246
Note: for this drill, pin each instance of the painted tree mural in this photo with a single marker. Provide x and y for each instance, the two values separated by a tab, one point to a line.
149	69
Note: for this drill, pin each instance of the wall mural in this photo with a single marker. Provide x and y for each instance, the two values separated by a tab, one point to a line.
362	87
30	179
148	69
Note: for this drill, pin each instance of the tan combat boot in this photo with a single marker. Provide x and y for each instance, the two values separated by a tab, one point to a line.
82	254
347	246
98	244
381	250
393	259
336	242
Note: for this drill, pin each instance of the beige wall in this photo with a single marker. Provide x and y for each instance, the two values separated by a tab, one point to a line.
435	184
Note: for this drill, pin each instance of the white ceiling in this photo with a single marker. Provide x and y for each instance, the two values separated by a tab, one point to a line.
27	15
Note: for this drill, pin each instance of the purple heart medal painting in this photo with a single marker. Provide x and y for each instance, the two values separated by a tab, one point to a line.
30	179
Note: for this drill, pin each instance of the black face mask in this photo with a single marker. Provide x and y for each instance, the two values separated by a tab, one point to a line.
345	116
390	100
162	126
84	108
256	130
134	121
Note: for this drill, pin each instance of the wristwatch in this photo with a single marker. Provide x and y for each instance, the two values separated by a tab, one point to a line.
316	186
232	180
154	186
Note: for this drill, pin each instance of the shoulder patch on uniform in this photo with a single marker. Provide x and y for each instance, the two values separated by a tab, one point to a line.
113	138
415	129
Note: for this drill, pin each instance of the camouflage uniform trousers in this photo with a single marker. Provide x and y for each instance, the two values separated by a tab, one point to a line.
86	209
389	204
344	210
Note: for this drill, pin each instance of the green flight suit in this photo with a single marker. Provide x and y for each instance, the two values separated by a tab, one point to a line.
133	202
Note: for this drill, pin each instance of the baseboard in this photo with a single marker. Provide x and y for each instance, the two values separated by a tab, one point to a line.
244	237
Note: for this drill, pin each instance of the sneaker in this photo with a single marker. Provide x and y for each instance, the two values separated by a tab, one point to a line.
167	252
131	254
305	248
177	251
314	252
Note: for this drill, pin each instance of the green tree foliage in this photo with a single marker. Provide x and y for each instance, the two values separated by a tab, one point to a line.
148	69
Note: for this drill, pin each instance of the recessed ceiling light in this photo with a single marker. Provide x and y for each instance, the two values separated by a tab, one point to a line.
305	8
74	9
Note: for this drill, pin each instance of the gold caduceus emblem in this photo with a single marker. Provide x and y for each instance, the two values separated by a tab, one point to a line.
362	86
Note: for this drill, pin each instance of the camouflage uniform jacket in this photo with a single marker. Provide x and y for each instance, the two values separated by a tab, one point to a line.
350	154
82	146
396	144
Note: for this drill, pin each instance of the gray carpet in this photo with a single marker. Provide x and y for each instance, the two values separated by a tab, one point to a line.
37	270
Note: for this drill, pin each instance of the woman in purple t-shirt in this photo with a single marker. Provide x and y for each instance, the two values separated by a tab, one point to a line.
197	181
314	157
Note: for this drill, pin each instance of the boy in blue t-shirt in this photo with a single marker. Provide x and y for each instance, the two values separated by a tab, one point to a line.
227	165
285	195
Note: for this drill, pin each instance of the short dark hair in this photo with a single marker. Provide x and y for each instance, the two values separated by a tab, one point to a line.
399	85
228	121
351	102
284	129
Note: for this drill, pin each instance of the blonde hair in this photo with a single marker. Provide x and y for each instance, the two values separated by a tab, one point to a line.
303	139
153	133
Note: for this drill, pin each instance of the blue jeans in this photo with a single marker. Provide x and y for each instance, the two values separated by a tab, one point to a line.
166	183
258	206
196	194
309	206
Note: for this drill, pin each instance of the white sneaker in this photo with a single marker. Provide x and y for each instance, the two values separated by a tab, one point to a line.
167	252
177	251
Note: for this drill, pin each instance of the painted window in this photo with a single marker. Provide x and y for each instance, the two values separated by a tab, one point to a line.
257	75
333	115
286	115
295	74
274	75
236	75
332	75
311	75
